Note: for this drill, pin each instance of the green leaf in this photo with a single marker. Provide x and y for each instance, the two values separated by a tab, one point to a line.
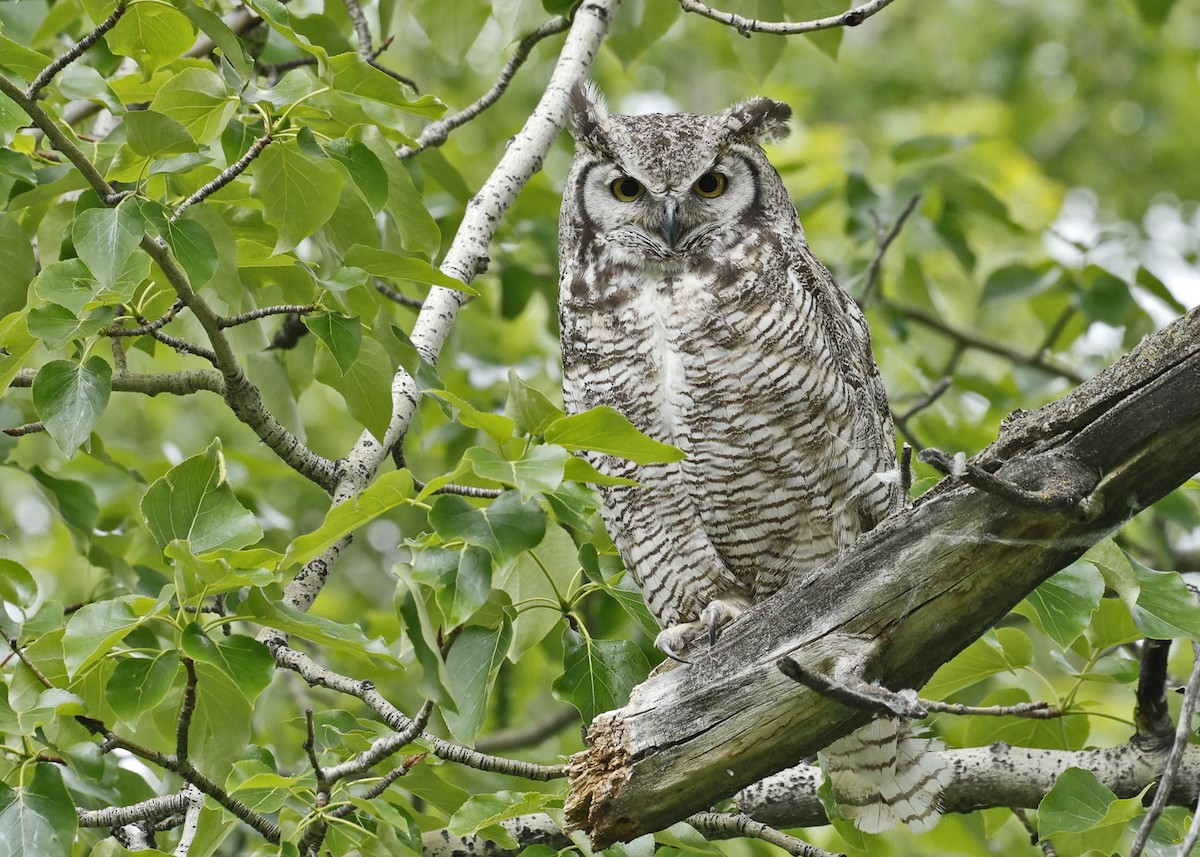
579	469
1081	813
529	409
1002	650
199	100
299	193
342	335
17	265
1155	12
152	134
498	426
17	586
1165	607
606	430
20	60
472	665
40	818
393	266
75	500
96	628
56	325
353	75
245	660
365	169
461	580
1016	281
231	47
140	684
193	247
349	639
69	398
366	388
540	581
931	146
68	283
598	674
539	470
482	813
152	35
1156	287
1118	573
105	238
505	528
386	493
1064	604
193	502
419	628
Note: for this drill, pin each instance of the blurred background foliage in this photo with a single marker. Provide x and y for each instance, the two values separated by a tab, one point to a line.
1050	149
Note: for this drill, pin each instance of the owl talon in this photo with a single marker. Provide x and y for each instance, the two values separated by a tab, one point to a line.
718	614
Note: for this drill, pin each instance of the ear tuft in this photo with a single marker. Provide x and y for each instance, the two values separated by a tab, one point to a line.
757	120
587	116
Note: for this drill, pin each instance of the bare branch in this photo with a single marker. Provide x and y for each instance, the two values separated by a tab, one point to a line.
361	30
1033	710
147	327
726	825
990	483
381	748
528	736
191	821
380	786
47	74
147	810
436	133
224	177
391	294
184	346
467	254
746	26
1183	730
263	312
28	428
265	827
186	709
151	384
885	239
983	343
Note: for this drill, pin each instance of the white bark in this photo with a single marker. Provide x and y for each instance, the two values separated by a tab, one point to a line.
467	256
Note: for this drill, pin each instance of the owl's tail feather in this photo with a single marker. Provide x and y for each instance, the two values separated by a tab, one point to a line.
884	774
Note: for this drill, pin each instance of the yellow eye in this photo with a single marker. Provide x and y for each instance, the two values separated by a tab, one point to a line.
710	185
627	189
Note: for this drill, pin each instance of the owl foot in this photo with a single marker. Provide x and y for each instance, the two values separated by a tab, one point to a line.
719	613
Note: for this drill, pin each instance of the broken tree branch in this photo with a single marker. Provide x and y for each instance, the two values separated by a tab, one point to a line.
908	596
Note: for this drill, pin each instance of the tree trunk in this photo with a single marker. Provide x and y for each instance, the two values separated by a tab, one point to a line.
905	599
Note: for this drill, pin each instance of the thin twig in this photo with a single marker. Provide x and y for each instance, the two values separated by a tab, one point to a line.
47	74
725	824
391	294
854	692
528	736
381	785
435	133
314	834
224	177
746	26
263	312
1193	834
184	346
28	428
146	328
361	29
381	748
1183	730
983	343
1023	817
186	709
1033	710
990	483
885	239
191	821
37	673
182	383
268	829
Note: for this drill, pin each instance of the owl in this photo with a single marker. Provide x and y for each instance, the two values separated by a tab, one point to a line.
690	302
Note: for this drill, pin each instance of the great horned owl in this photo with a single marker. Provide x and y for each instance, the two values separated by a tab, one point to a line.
691	303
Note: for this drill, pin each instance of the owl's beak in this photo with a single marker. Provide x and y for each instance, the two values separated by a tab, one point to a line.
670	227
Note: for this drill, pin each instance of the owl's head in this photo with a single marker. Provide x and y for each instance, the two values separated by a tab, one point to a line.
669	188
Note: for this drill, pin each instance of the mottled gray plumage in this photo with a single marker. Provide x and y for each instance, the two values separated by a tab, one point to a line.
706	320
